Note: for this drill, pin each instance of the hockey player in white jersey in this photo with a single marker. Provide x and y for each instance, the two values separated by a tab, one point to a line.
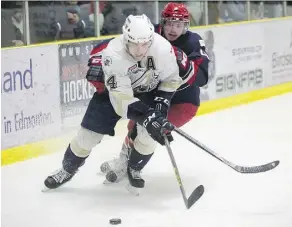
141	76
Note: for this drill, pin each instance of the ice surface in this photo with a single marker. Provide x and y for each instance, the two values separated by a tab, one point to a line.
247	135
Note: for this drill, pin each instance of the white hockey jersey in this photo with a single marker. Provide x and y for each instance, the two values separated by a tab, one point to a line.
124	76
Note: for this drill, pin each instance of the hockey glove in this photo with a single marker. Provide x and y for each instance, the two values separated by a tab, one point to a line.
162	101
193	68
157	126
184	65
95	73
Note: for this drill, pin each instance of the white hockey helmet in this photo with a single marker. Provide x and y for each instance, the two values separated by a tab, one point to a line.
138	29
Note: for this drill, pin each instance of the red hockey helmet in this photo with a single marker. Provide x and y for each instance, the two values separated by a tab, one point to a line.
175	12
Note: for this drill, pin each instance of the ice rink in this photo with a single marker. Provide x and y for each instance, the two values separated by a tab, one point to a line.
251	134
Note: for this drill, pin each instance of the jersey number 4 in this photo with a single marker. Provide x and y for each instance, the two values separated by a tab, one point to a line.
111	82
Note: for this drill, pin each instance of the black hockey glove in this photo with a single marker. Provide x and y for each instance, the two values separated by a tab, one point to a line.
157	126
162	101
95	73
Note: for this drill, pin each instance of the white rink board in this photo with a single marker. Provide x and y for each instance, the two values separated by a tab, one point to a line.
242	57
30	95
278	54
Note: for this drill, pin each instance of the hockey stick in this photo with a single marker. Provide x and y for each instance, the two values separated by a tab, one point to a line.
196	194
240	169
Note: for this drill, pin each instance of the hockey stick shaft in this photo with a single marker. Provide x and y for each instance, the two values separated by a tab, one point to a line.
241	169
202	146
178	178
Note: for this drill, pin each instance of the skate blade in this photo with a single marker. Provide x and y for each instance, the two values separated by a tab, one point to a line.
45	189
106	182
134	191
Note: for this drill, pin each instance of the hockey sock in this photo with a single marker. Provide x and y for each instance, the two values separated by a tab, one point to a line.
71	162
137	161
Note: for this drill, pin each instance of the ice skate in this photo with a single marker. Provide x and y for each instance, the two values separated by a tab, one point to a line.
70	166
57	179
116	169
136	183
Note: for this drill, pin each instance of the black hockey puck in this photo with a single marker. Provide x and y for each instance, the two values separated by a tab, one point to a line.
115	221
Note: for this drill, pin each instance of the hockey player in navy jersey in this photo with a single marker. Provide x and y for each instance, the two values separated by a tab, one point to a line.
193	64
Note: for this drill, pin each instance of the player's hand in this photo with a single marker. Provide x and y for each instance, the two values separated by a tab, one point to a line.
157	126
183	62
95	73
186	67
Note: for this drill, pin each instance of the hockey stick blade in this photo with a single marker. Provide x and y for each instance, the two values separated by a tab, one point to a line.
195	196
257	169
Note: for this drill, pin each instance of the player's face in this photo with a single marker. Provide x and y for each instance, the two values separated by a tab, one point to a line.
173	29
138	50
